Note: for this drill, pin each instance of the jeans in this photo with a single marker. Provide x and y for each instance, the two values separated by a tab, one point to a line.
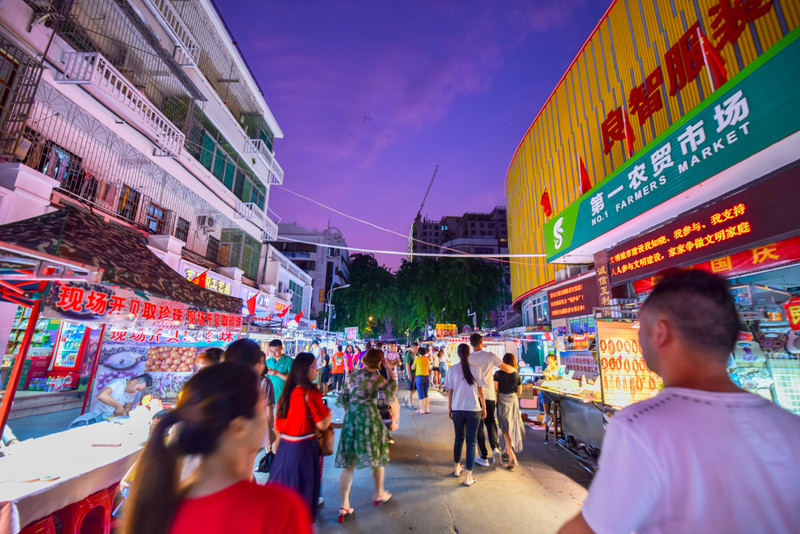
422	387
491	428
338	381
465	421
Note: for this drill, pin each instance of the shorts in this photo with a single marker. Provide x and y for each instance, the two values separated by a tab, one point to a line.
422	386
412	383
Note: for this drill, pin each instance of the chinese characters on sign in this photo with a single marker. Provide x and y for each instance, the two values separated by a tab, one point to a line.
214	284
755	214
573	300
172	336
603	280
99	303
793	312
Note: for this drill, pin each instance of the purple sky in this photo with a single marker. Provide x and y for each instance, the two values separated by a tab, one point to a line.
372	95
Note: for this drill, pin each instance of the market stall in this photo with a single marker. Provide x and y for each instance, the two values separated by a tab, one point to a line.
135	314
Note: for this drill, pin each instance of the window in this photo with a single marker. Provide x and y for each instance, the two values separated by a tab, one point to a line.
155	219
239	249
128	203
182	229
212	252
297	296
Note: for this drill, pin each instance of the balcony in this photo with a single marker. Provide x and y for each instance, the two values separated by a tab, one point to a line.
254	214
259	147
187	53
106	83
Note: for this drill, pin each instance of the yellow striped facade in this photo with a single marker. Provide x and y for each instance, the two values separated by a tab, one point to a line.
628	44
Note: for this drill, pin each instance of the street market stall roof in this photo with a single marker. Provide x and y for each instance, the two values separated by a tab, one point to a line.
121	254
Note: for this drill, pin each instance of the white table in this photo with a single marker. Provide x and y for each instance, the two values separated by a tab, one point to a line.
82	468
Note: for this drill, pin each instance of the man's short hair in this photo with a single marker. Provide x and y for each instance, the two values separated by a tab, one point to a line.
699	306
145	379
315	342
475	339
415	344
276	343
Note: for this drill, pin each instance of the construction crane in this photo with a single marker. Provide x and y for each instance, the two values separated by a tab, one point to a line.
419	215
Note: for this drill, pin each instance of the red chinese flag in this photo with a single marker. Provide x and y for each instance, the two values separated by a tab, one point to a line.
298	316
714	61
284	312
586	183
201	279
545	203
630	137
251	305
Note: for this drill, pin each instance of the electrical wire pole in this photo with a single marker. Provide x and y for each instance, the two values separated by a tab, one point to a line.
419	214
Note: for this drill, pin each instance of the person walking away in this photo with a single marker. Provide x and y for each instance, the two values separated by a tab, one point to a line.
210	356
421	367
300	410
442	365
408	359
392	359
249	353
364	441
337	370
220	417
278	365
545	399
466	406
486	363
702	455
326	372
434	373
508	387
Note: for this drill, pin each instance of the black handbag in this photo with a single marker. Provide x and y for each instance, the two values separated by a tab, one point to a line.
266	462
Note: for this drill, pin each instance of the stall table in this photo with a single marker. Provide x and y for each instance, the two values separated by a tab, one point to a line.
83	460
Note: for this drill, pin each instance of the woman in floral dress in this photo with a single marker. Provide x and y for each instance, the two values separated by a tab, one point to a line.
364	441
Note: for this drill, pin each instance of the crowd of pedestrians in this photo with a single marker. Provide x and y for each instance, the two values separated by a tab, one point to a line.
196	471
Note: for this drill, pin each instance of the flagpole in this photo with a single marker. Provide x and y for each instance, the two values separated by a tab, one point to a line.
705	60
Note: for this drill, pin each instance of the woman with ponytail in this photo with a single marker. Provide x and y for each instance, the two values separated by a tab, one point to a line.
221	418
467	407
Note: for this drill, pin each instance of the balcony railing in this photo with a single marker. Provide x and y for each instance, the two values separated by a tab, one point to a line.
187	53
254	214
107	84
258	146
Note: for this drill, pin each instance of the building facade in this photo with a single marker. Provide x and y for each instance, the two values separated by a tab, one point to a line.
328	267
642	71
145	113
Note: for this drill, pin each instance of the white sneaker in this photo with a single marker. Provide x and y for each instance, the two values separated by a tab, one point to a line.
482	461
498	457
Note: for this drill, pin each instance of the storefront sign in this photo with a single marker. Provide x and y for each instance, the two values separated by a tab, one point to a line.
763	257
351	333
172	337
625	376
573	300
757	110
103	304
753	215
446	330
213	281
793	312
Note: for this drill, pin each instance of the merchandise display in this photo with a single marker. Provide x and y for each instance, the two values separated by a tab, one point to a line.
624	374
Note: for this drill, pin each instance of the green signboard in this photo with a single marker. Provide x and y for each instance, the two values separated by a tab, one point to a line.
755	109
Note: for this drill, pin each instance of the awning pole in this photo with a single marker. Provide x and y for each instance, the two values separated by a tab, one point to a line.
19	363
94	369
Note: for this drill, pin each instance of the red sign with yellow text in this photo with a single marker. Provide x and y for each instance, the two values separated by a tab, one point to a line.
793	312
574	300
758	213
772	255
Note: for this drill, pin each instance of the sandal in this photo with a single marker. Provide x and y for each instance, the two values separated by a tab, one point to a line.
511	465
344	513
457	472
468	484
419	412
383	498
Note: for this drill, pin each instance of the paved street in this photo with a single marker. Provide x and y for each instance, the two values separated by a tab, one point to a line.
546	488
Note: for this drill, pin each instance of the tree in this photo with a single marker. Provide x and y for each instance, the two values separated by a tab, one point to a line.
371	294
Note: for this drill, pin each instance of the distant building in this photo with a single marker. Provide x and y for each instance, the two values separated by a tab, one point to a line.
328	267
474	233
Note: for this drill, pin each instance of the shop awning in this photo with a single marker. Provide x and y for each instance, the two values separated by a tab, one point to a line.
120	253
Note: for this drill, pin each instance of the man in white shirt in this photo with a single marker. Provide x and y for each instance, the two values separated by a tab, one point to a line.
486	363
702	455
115	399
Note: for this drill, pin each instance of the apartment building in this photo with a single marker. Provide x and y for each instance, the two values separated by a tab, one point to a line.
146	113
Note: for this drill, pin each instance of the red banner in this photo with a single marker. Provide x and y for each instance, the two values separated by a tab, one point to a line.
793	312
772	255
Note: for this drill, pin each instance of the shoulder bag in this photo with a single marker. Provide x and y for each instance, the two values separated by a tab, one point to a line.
324	437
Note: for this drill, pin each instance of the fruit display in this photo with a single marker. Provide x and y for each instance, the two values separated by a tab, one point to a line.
171	359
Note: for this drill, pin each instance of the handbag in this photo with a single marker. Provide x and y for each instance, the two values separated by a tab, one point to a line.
266	462
324	437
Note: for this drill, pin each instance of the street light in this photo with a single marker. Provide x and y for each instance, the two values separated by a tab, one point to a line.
329	305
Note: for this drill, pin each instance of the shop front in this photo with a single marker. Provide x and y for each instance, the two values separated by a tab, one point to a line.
96	304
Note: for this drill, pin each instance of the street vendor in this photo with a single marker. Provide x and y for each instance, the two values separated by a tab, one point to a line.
115	399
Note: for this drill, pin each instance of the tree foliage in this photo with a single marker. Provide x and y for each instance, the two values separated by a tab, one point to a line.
421	293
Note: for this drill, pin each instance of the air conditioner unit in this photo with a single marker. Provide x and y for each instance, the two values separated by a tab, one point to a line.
206	222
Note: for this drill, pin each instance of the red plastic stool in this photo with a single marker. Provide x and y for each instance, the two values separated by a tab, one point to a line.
43	526
92	515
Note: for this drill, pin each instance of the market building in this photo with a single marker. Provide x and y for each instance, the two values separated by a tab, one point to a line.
329	267
671	141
